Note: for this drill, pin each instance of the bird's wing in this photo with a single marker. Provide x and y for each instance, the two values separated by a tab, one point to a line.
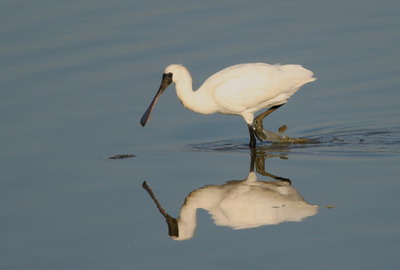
252	87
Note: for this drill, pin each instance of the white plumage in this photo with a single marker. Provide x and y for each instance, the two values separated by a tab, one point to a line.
237	90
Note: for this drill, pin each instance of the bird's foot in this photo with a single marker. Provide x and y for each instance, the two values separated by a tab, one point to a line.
279	137
282	128
286	139
266	135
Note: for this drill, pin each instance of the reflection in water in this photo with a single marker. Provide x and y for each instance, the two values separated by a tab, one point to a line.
240	204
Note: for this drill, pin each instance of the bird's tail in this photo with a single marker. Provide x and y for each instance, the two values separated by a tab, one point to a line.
299	73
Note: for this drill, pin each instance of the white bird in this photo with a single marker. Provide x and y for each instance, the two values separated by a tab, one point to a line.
239	204
241	90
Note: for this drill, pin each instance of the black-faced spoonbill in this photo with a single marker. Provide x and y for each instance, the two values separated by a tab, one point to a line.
241	90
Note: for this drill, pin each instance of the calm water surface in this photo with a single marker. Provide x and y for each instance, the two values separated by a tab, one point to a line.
76	77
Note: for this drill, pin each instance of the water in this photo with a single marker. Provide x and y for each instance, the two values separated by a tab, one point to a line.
77	76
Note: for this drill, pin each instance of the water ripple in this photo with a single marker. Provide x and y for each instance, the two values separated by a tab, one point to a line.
345	140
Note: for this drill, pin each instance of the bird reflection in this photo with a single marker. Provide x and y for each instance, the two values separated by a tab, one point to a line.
240	204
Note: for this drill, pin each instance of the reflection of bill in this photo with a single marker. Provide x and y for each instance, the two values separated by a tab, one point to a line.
239	204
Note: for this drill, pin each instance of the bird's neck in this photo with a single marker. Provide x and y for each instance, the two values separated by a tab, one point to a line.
187	222
199	101
204	198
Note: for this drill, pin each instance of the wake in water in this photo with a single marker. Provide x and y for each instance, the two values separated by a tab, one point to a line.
281	137
333	139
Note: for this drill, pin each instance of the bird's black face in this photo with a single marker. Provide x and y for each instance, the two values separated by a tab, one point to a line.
167	77
165	81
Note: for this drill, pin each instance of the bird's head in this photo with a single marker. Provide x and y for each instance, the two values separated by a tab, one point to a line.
172	73
178	72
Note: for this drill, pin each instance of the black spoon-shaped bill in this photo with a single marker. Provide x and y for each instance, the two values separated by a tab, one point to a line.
166	80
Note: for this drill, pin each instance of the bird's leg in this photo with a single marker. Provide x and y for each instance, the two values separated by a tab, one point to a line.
258	123
252	136
253	155
260	168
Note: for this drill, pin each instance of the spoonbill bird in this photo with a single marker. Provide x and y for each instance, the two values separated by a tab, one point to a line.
241	90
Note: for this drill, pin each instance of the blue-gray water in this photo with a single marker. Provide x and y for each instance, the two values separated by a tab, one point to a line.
76	76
